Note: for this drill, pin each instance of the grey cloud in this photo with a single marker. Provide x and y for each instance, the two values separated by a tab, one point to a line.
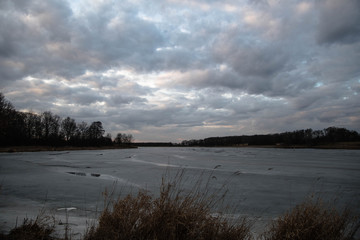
214	78
250	60
87	114
280	70
177	116
41	95
83	97
330	116
339	21
222	106
314	98
117	38
175	58
339	63
75	95
256	67
138	118
344	113
117	100
60	43
333	103
27	32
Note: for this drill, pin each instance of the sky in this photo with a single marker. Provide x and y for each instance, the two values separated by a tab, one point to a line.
173	70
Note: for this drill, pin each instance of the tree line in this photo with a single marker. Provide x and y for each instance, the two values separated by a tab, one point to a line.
25	128
306	137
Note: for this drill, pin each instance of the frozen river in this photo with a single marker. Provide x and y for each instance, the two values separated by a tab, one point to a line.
262	182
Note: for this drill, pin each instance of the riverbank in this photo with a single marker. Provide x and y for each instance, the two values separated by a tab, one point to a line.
336	145
58	148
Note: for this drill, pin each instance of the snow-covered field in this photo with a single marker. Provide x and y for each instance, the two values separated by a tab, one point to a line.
262	182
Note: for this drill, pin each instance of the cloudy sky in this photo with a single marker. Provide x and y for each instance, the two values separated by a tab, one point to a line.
168	70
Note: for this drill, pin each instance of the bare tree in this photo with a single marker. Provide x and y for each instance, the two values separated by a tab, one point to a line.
82	129
122	138
96	130
119	138
68	128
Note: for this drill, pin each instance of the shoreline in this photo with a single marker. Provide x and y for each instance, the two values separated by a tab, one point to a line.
14	149
338	145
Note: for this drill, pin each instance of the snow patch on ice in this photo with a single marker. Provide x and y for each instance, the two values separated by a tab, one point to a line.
66	209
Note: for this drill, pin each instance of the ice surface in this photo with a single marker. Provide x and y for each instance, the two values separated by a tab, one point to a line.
262	183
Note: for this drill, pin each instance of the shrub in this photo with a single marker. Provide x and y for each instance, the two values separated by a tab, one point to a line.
313	220
175	214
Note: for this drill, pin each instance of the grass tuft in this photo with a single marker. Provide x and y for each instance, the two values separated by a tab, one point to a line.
175	214
41	228
314	220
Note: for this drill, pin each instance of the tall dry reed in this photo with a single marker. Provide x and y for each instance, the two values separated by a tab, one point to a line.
313	220
42	228
176	214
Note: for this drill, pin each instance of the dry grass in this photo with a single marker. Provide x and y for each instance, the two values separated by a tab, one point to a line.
314	220
175	214
41	228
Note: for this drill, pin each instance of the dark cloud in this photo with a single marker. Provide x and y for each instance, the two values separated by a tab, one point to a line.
249	59
117	100
339	21
122	40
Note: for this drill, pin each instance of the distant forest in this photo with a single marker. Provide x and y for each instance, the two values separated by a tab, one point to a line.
307	137
48	129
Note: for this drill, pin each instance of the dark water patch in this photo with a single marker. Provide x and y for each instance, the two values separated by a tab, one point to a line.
82	174
77	173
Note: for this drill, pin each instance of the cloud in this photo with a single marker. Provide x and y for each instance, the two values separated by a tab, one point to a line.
46	39
34	34
117	100
249	59
339	21
172	70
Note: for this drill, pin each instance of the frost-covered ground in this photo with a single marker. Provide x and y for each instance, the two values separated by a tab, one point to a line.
262	183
